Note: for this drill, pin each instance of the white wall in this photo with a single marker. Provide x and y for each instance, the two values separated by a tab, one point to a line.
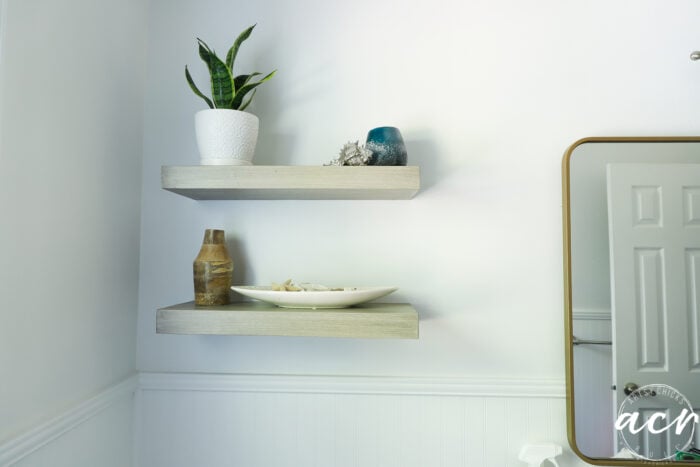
70	178
102	440
488	95
97	431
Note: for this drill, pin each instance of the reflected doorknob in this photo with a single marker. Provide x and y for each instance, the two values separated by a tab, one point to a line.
630	388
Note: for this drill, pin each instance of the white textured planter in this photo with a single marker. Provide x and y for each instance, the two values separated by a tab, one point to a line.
226	137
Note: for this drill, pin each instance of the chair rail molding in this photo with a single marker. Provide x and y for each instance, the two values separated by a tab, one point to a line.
390	385
15	449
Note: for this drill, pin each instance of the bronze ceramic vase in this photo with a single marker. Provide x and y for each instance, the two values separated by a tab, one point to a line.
212	270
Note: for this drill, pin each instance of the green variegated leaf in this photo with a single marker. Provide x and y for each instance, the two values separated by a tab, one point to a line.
233	51
196	90
221	83
227	91
238	98
205	53
240	80
247	103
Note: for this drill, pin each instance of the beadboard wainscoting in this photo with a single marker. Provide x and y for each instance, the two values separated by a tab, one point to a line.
284	420
593	376
96	432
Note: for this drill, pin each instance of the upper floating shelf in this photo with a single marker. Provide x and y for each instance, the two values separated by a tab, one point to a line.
225	182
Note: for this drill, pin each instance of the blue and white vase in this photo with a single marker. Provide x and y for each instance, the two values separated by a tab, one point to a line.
387	146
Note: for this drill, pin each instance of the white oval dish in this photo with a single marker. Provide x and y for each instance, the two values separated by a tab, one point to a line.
344	298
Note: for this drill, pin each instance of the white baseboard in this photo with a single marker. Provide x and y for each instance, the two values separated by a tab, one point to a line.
17	448
427	386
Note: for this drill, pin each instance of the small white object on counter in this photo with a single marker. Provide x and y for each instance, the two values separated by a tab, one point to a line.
536	455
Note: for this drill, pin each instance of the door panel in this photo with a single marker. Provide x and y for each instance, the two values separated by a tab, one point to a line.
693	281
654	230
651	325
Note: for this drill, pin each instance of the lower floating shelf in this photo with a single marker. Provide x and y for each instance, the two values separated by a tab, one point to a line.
371	320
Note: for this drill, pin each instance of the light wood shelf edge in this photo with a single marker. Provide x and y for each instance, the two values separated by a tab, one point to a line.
370	320
291	182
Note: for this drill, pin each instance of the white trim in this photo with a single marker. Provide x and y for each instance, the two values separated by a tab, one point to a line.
394	385
17	448
3	24
136	424
3	35
592	314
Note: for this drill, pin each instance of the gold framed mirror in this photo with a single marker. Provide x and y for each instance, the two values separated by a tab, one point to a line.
631	215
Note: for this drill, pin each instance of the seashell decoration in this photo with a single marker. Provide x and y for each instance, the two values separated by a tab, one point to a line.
352	154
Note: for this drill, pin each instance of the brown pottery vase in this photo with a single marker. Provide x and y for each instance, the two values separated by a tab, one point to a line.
212	270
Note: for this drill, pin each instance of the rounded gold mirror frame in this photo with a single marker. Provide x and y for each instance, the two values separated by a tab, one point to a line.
568	307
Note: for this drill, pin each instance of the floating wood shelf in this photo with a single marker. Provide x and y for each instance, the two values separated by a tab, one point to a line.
371	320
226	182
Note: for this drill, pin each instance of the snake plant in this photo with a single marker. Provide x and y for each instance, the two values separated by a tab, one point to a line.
227	90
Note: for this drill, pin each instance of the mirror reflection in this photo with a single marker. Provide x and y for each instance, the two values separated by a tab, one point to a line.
632	209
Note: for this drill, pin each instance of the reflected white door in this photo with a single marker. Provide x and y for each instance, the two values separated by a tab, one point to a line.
654	228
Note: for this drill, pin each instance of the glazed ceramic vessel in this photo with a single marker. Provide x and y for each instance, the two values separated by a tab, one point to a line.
212	269
387	146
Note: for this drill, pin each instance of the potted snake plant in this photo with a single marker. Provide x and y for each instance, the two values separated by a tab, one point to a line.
226	134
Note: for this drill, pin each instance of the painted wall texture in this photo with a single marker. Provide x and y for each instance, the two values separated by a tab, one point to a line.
70	174
488	96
